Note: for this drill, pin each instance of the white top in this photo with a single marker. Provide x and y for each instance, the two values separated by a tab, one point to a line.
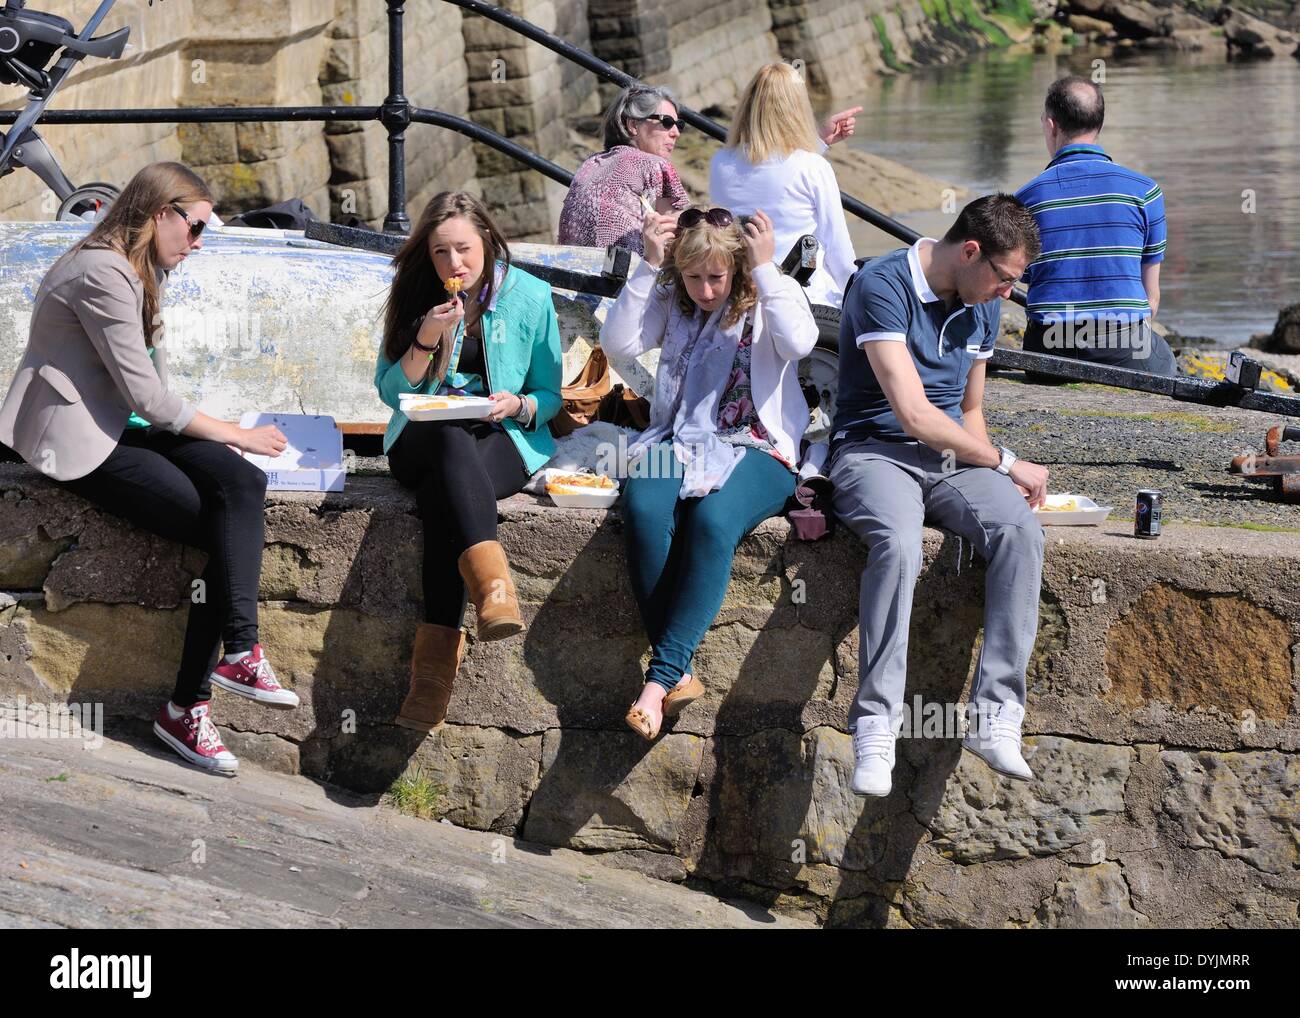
784	334
800	195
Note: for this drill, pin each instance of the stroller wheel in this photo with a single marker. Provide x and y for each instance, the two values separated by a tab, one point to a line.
88	203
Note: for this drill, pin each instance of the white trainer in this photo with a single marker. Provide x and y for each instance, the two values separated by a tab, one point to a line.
873	756
993	735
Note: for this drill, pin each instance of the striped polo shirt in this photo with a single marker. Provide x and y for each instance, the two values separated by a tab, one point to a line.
1100	223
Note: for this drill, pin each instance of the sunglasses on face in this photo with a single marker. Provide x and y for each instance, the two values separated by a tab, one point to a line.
666	121
714	217
196	225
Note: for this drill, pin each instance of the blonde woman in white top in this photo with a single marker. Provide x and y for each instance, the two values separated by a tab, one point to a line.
773	161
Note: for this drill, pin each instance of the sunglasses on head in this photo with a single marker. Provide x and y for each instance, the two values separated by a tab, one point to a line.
714	217
196	225
668	122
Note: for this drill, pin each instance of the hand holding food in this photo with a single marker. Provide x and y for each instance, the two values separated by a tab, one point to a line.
1032	478
657	233
440	321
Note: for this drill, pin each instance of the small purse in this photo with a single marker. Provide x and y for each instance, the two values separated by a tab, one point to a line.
813	519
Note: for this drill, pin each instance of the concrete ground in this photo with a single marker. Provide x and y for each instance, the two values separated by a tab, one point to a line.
1107	443
125	836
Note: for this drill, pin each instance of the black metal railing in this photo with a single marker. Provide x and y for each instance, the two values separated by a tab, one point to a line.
396	113
697	120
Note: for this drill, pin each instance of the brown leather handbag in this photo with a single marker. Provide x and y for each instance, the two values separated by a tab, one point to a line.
582	396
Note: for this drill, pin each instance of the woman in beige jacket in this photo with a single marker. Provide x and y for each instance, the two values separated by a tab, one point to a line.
89	407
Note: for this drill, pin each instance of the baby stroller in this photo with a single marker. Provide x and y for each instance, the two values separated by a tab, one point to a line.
29	44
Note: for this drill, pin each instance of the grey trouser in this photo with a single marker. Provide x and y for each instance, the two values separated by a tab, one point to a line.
884	492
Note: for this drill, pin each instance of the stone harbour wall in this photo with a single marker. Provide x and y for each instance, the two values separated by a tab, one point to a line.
1163	724
334	52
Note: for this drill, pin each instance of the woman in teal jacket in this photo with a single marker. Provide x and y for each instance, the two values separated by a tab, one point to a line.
461	320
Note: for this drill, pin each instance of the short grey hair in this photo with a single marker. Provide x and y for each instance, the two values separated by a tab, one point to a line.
633	103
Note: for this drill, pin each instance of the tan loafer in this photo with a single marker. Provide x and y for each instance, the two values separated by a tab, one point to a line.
639	721
683	695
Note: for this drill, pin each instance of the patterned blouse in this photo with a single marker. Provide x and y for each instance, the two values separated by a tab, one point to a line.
738	421
603	206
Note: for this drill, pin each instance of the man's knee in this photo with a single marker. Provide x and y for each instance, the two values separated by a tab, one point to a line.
888	547
1022	540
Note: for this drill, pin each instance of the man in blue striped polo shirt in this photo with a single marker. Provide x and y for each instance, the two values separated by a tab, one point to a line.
1096	285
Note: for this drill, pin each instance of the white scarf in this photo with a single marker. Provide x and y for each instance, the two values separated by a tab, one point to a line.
694	366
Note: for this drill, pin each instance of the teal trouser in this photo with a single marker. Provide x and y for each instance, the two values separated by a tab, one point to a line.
679	551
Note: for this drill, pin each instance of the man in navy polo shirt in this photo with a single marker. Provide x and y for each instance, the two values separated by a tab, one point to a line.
1096	286
909	446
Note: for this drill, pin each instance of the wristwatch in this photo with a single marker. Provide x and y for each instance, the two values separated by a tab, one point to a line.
1008	460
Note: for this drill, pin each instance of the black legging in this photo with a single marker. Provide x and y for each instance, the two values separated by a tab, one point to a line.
204	495
458	470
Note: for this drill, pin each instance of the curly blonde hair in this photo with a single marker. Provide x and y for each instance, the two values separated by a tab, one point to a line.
704	243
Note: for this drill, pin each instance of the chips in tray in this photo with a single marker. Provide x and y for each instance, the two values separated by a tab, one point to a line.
435	402
587	482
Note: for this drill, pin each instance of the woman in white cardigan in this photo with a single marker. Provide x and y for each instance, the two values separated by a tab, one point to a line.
720	454
773	161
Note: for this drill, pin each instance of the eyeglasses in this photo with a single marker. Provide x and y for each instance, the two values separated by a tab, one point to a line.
1004	277
196	225
668	122
714	217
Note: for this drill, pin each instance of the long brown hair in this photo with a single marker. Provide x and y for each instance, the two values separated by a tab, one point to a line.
704	243
128	228
416	287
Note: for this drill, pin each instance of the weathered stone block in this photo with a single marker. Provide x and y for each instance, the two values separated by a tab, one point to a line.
1243	805
978	815
609	790
1091	897
1186	649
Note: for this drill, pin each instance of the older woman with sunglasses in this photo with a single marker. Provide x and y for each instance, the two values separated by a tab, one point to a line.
720	453
612	189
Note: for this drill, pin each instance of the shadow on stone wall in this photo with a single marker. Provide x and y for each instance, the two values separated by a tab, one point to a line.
1162	727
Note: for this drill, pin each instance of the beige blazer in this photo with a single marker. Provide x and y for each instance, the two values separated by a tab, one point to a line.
86	368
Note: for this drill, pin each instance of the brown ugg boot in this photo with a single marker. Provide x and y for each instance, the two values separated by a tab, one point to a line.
434	663
487	578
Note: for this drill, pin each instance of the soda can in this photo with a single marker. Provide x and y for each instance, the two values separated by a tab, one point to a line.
1146	520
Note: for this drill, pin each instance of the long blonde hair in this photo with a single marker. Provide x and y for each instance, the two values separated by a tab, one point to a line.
774	116
128	228
704	243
